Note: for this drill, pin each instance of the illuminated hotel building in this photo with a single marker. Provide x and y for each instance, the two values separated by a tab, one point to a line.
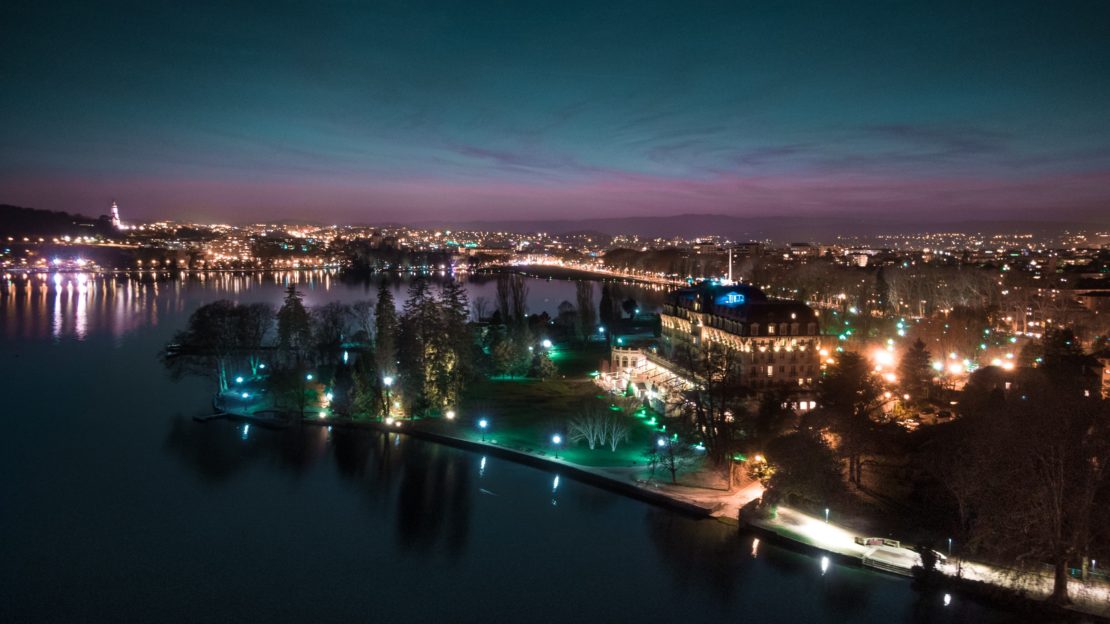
778	343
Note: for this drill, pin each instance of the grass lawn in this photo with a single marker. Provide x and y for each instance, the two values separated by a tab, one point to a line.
523	414
574	360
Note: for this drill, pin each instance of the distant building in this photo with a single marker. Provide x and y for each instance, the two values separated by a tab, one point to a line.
747	249
804	250
114	216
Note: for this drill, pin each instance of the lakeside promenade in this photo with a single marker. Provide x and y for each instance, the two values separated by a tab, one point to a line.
785	523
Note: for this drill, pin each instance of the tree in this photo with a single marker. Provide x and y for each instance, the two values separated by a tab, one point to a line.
291	390
629	307
509	353
518	298
481	309
607	307
586	311
367	389
207	346
362	315
542	366
772	417
1065	364
454	364
1042	472
801	467
294	323
849	396
331	328
590	425
420	345
673	455
715	407
915	373
386	328
255	323
616	431
503	310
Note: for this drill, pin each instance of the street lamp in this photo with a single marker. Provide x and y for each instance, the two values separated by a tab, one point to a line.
546	343
556	440
308	377
388	381
826	515
483	424
450	414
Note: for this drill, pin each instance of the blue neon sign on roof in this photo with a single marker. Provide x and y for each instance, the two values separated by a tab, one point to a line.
730	299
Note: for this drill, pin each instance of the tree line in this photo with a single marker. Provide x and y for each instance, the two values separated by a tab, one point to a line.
356	357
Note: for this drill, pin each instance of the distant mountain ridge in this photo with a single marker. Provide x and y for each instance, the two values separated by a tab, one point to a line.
19	221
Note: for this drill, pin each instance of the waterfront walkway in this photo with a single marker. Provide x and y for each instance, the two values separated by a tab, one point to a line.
785	522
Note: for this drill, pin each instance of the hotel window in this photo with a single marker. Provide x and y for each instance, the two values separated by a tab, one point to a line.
770	371
771	329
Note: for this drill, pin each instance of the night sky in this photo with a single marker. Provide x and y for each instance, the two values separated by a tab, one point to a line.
375	111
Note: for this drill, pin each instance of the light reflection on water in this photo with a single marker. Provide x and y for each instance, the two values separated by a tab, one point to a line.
73	305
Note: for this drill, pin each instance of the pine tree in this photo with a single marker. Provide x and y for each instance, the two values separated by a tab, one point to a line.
915	375
294	322
455	363
368	399
420	341
607	306
385	331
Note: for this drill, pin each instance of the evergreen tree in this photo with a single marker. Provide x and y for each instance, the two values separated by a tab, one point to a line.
294	323
455	364
368	398
419	347
607	306
915	374
542	366
386	328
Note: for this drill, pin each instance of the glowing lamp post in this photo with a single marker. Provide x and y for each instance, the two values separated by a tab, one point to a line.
388	382
483	425
556	440
450	414
547	344
826	515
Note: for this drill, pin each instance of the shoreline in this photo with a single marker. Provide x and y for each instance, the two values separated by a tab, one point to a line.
976	583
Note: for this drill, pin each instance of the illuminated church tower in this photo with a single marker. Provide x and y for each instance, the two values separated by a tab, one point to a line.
116	223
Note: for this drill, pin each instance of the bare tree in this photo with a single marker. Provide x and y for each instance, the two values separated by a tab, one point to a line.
590	425
480	308
362	314
616	432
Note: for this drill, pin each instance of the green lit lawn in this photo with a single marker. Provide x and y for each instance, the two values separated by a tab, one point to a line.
524	414
574	360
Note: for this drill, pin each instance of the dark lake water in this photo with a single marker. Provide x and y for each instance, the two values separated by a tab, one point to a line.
116	506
